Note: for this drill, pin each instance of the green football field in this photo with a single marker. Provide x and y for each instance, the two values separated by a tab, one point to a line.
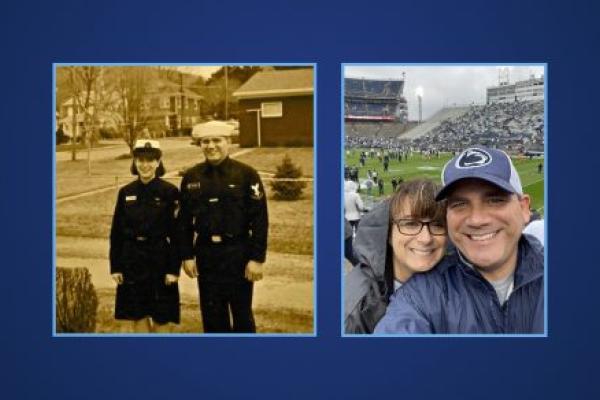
418	166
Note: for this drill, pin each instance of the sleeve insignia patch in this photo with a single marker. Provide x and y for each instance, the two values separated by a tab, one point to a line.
256	193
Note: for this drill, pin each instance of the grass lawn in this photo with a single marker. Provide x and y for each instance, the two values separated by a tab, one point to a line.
284	304
268	319
79	146
418	166
72	177
267	159
290	222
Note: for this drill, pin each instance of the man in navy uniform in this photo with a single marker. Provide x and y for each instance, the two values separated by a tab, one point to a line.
224	227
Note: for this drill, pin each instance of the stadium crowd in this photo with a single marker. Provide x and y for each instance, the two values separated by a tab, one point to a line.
515	127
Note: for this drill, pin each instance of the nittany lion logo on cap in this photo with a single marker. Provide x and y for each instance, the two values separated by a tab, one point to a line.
473	158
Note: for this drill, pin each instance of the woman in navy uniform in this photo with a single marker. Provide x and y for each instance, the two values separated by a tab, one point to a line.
144	260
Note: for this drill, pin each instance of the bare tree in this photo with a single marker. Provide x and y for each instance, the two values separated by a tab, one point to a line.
82	82
131	84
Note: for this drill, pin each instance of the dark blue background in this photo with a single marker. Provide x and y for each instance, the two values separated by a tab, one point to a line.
564	34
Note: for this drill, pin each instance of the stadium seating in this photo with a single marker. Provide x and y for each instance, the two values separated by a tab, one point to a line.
433	122
374	98
516	127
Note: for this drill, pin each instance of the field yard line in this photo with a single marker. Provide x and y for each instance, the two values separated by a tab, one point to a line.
533	183
112	187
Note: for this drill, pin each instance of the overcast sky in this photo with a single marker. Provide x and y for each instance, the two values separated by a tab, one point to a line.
205	70
442	85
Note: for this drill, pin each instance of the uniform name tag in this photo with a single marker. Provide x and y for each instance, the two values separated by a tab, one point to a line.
193	186
130	198
216	238
214	200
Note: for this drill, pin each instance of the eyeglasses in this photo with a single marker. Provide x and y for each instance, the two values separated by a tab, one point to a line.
413	227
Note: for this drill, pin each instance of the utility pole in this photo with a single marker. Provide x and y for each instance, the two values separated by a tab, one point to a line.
74	105
89	147
226	99
73	131
182	102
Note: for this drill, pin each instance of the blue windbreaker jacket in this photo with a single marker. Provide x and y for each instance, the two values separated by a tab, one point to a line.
455	298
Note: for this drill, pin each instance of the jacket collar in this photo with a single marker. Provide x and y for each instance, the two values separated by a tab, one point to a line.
530	262
222	166
148	185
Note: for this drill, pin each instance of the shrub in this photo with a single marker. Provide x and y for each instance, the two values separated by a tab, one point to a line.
109	133
287	189
61	138
76	300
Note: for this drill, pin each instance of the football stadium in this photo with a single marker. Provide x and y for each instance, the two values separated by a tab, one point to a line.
383	144
374	107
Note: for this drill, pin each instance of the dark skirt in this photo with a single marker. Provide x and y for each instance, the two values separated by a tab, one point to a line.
150	297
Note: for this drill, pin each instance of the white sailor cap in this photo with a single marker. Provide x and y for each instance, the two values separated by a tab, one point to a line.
147	146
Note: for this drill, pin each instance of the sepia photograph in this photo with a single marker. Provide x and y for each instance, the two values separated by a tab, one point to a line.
184	199
444	200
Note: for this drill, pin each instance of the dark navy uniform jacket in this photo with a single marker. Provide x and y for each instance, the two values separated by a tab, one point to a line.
225	207
144	230
455	298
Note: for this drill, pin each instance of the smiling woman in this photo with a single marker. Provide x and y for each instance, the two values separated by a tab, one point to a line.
143	258
402	236
418	233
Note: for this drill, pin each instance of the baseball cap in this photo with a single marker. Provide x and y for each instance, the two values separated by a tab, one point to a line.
480	162
147	146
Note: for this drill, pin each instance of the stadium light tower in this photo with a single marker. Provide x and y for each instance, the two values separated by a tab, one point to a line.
419	92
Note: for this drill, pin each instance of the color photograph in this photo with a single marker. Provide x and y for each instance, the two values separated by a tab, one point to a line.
444	199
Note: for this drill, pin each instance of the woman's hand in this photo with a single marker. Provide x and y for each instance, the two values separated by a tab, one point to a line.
118	278
171	279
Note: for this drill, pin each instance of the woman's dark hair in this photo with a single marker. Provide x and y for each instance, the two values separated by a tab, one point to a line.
160	171
419	196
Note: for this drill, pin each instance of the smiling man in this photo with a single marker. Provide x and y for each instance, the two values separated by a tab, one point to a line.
224	226
493	281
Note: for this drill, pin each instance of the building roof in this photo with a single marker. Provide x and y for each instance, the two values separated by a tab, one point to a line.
294	82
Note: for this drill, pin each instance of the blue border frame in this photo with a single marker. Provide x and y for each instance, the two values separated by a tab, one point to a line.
546	183
185	335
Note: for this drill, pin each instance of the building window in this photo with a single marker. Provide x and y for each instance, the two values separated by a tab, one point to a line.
164	102
271	110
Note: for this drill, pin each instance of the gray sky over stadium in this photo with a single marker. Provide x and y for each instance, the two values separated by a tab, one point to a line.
443	85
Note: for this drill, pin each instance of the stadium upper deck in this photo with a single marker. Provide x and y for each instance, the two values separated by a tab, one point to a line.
374	100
